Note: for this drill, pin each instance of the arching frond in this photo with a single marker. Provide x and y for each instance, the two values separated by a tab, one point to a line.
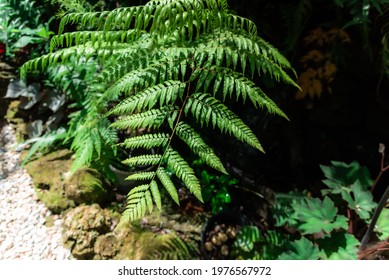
160	94
198	146
183	171
143	160
210	111
146	141
168	184
163	66
150	119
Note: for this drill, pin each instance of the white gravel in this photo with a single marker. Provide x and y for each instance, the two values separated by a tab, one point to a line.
23	234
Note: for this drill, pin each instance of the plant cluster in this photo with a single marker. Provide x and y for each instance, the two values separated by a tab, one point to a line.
328	227
22	24
167	67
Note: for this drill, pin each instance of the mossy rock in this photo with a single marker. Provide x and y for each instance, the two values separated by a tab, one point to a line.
106	246
82	227
48	174
86	186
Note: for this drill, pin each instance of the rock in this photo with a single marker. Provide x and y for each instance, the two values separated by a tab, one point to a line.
107	246
47	174
85	186
82	226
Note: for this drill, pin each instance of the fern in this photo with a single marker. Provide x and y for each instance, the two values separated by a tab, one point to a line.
174	248
168	66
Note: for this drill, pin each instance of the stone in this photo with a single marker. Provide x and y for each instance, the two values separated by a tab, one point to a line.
85	186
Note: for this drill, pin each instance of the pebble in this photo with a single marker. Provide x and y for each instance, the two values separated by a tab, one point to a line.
23	234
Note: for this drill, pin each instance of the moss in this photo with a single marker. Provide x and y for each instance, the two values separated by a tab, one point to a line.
57	189
12	110
83	225
139	244
48	174
86	186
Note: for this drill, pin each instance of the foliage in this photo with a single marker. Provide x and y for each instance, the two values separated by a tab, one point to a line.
21	24
174	248
301	249
382	226
326	225
76	6
318	63
214	187
171	65
360	10
295	17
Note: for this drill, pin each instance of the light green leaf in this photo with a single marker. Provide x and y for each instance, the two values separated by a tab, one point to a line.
302	249
340	245
360	200
314	216
382	226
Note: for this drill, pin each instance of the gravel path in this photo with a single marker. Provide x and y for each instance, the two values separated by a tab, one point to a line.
23	234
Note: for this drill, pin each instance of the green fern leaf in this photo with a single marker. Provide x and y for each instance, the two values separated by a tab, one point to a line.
206	108
165	93
149	201
198	146
141	176
156	195
156	63
146	141
183	171
150	119
143	160
168	184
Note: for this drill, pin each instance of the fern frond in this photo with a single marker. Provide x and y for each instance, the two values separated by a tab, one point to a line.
198	146
208	109
155	193
141	176
177	249
162	94
146	141
233	83
137	203
97	39
143	160
157	65
183	171
159	71
84	148
149	119
43	142
168	184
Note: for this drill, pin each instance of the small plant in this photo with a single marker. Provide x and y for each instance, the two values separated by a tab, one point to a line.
21	24
327	227
214	187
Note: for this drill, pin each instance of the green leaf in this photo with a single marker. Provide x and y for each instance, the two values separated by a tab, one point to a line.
156	195
341	175
382	226
183	171
302	249
168	184
198	146
360	200
314	216
282	210
247	237
339	246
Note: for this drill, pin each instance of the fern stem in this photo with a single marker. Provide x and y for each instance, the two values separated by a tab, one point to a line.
175	126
